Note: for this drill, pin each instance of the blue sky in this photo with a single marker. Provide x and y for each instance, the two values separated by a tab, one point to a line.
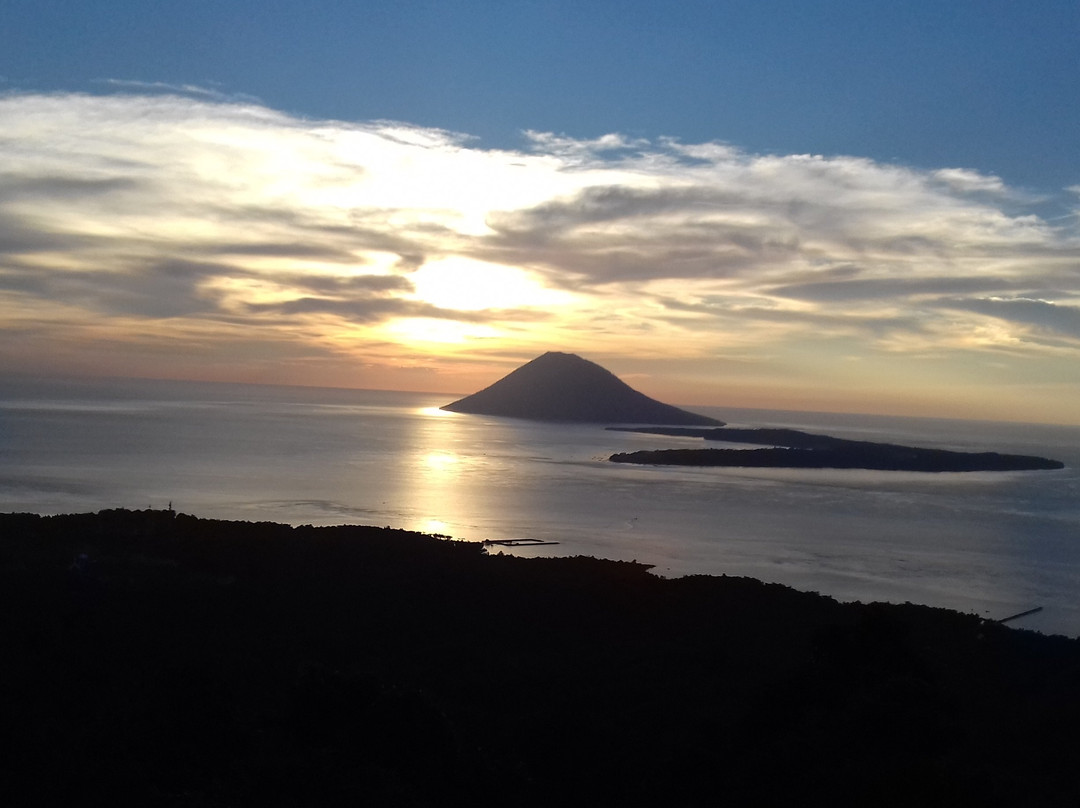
990	85
810	205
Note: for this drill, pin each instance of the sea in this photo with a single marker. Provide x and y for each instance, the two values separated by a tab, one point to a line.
991	543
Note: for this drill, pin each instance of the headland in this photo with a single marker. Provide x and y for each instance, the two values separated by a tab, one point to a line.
156	658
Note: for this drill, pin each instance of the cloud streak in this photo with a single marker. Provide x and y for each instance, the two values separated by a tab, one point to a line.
1042	315
166	213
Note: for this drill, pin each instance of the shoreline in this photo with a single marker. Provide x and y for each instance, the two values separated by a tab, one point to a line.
194	662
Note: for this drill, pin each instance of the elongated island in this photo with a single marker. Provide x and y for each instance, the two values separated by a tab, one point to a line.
791	448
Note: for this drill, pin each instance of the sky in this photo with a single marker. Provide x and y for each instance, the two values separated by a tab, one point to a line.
836	205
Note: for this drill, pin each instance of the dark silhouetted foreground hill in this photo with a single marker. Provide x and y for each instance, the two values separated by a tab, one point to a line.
565	387
157	659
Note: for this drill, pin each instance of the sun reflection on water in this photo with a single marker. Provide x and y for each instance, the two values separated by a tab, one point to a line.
441	461
437	412
441	473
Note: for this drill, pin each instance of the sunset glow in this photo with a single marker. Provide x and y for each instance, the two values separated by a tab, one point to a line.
465	285
155	228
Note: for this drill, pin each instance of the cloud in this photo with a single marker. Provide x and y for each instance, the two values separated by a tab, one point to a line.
745	214
967	181
195	90
158	290
1040	314
363	310
576	151
59	188
847	291
282	250
185	207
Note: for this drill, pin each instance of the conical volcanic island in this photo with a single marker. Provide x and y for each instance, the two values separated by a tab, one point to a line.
564	387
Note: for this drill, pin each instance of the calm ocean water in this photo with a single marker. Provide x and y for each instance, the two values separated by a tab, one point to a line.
990	543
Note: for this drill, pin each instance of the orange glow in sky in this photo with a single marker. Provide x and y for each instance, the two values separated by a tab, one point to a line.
171	237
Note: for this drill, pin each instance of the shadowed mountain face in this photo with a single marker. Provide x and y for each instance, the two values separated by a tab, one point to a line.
565	387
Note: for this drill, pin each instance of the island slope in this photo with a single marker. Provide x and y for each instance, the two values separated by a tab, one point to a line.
564	387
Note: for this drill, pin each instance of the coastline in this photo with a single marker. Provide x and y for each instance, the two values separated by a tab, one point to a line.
203	662
984	543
